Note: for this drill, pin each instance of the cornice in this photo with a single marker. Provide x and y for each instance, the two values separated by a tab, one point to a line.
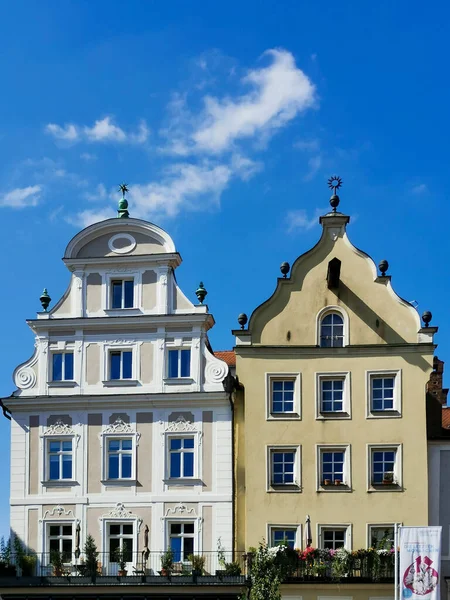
317	352
172	259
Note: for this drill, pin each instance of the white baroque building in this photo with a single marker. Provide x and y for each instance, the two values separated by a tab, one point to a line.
120	420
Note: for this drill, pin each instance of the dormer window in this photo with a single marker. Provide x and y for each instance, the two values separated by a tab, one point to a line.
332	331
122	293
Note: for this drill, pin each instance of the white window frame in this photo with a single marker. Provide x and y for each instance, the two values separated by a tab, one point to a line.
132	453
371	526
396	412
397	486
346	412
118	430
346	484
193	451
271	527
284	488
178	347
58	431
194	536
122	539
296	414
106	521
48	440
110	277
124	346
177	429
61	523
346	527
346	328
63	352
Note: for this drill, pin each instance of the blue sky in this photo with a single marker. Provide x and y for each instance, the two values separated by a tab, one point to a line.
226	121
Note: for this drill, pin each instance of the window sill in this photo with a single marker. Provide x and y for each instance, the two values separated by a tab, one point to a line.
385	487
178	380
285	488
326	416
183	481
60	483
284	417
120	382
119	482
121	312
384	414
67	384
342	487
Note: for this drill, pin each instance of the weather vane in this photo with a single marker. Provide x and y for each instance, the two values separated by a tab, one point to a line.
123	187
334	183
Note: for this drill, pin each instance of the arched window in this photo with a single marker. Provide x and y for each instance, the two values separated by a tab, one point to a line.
332	331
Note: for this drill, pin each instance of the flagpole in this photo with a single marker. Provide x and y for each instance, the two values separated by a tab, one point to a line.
396	578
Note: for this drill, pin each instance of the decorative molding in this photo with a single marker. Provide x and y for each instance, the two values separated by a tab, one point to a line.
120	512
180	425
25	378
120	342
121	270
215	370
59	511
122	236
180	509
59	428
119	426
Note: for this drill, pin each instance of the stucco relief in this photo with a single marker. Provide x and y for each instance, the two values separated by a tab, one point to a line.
25	376
215	370
58	511
59	428
119	426
180	425
120	512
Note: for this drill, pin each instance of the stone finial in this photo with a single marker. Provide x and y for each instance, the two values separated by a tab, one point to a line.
334	183
45	299
201	292
242	320
122	212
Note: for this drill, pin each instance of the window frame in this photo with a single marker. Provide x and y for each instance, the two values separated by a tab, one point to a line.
371	526
118	430
120	453
346	412
56	432
122	537
345	527
114	279
296	486
346	484
123	346
397	486
178	349
182	428
346	328
272	527
61	453
63	353
289	416
60	537
193	451
396	411
193	536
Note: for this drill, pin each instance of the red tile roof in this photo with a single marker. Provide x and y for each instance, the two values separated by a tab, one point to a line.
446	417
227	356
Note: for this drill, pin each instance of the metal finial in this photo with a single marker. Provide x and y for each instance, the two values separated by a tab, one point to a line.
284	268
383	265
201	292
242	320
122	212
426	317
45	299
334	183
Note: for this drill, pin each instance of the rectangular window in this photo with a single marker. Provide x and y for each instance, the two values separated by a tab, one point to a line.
59	540
62	366
179	363
120	539
120	458
331	395
122	293
332	466
59	457
120	364
283	470
382	393
181	540
283	536
282	396
381	537
181	457
332	539
383	466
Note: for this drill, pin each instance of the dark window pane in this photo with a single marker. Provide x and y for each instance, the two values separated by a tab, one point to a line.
114	544
54	467
54	446
127	444
175	528
129	549
114	445
173	363
54	530
68	366
175	443
114	529
189	443
67	466
113	466
175	544
277	385
188	547
115	365
175	465
188	464
189	528
128	530
128	294
185	363
57	367
127	358
126	465
54	546
116	292
67	530
67	445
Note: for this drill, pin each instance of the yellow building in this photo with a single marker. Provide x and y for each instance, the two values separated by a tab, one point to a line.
330	415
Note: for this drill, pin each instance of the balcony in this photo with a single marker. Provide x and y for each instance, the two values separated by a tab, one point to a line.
210	569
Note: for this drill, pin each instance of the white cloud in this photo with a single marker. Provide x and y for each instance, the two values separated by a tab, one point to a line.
88	217
103	130
314	164
68	133
419	189
99	194
307	145
22	197
299	219
88	157
278	93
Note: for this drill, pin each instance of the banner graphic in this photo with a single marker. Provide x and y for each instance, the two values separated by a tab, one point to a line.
420	562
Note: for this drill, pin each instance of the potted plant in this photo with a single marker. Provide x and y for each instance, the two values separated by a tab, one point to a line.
388	478
232	569
120	557
167	562
220	558
6	568
327	482
56	560
90	557
28	563
198	563
337	482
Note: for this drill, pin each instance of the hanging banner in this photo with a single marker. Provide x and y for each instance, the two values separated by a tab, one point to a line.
420	563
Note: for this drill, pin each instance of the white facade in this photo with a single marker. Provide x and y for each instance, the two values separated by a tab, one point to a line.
120	419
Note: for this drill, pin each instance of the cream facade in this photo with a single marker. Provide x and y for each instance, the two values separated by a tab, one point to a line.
330	415
120	421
